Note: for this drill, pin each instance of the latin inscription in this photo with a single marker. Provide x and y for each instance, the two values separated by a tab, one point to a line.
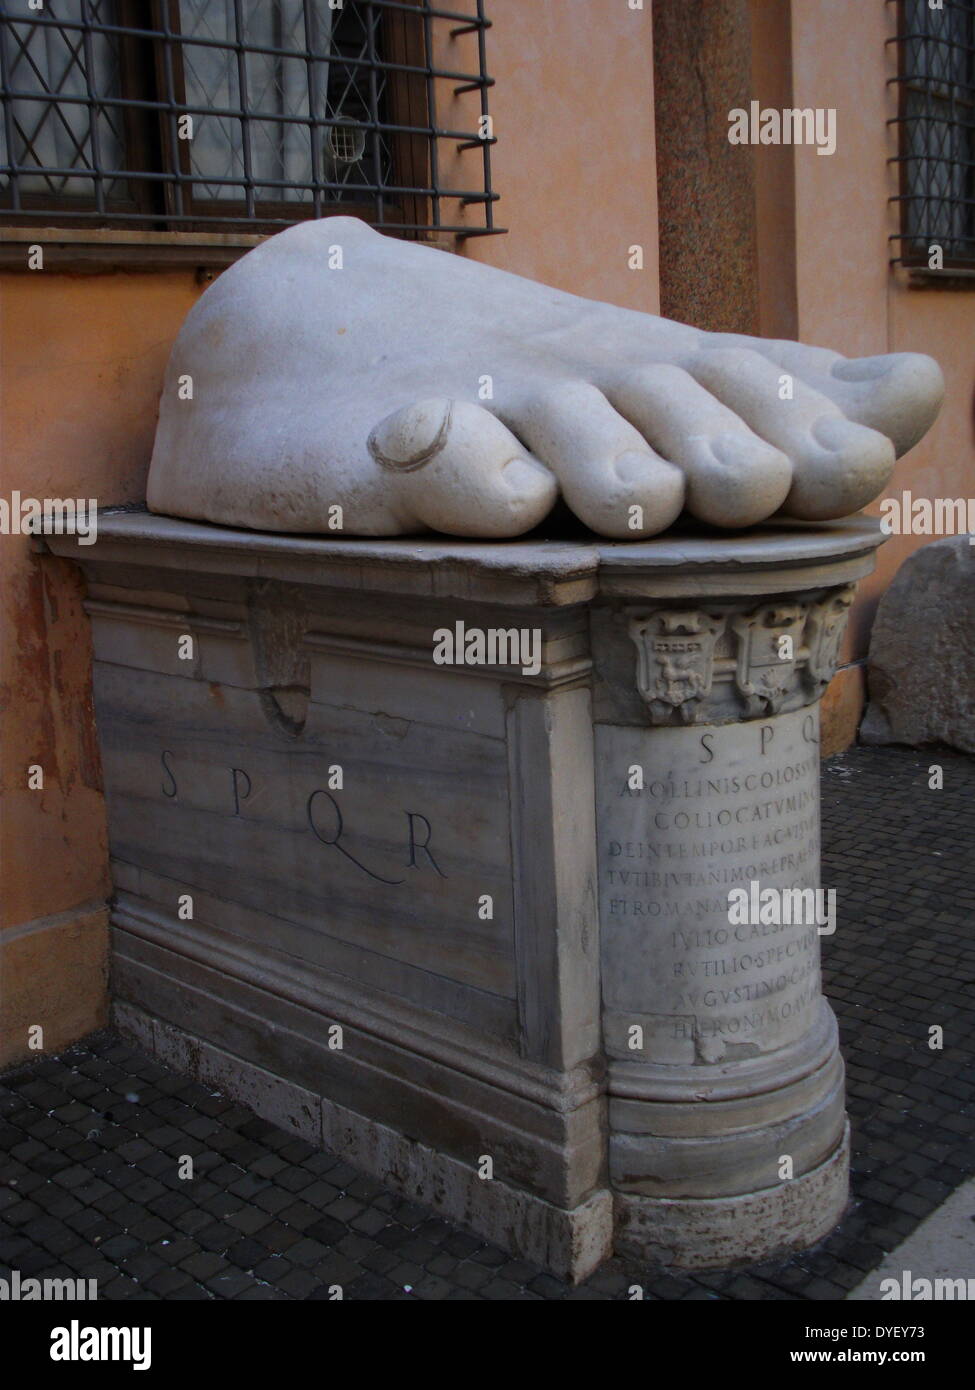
718	808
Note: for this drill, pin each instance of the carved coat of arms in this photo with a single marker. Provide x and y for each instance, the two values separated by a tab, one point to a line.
768	649
827	623
675	660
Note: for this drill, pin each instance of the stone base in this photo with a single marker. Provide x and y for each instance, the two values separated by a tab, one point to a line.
717	1233
570	1243
419	914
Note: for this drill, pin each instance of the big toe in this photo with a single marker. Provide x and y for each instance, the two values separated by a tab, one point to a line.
456	468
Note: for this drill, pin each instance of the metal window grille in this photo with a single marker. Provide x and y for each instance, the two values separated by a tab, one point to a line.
936	126
245	115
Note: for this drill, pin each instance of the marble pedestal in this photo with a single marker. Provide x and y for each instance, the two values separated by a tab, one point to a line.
466	925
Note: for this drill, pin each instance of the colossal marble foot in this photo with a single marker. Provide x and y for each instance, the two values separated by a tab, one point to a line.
337	379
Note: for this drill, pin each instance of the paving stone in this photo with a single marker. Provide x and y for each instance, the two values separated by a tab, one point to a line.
218	1204
59	1241
248	1186
218	1236
547	1286
432	1289
278	1238
300	1215
344	1208
471	1276
371	1287
372	1222
247	1253
203	1264
490	1255
249	1219
273	1269
142	1266
229	1283
377	1259
299	1283
118	1247
336	1269
196	1292
194	1220
273	1200
176	1248
306	1253
393	1236
462	1244
267	1166
170	1206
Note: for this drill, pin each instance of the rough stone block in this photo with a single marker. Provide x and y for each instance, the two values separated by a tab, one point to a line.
921	672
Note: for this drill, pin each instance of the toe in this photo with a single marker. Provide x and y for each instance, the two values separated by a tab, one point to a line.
851	467
734	478
898	394
838	465
457	469
609	476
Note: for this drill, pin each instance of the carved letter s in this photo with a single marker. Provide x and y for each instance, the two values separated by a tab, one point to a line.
169	772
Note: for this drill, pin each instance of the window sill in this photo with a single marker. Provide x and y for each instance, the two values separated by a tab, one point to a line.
98	249
950	278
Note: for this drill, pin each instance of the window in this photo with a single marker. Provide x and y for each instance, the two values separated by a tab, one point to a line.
936	124
244	115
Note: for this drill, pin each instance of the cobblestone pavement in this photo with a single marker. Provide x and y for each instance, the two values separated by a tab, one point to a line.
89	1140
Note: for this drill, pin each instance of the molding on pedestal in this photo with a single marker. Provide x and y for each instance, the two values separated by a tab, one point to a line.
781	556
720	1232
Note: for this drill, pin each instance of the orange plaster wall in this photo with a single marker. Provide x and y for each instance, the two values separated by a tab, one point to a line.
574	162
81	362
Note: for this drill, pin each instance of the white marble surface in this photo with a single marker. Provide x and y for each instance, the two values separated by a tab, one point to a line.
412	389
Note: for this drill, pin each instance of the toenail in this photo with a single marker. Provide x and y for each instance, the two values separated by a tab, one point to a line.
521	465
732	451
839	435
409	438
861	369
